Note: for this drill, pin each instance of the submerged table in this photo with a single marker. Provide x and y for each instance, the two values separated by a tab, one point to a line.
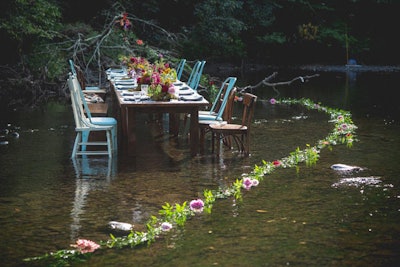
128	109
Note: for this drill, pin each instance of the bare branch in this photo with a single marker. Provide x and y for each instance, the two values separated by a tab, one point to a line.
267	82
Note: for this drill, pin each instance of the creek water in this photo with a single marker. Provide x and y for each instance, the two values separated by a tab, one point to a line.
310	216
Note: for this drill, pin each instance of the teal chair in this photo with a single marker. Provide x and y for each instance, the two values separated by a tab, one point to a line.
180	68
218	107
195	75
94	122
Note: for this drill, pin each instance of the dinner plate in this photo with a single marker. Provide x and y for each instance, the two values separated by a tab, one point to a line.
126	84
142	98
124	81
125	87
115	70
127	93
186	93
194	97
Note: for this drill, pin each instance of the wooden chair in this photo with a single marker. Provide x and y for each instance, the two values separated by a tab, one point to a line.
217	110
204	125
83	126
239	132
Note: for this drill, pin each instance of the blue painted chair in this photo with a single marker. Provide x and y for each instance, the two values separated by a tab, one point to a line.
218	107
195	75
180	68
85	123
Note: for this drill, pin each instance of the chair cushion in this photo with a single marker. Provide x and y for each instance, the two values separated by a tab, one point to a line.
104	121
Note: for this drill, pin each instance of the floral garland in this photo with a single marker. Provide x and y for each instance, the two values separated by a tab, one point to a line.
176	215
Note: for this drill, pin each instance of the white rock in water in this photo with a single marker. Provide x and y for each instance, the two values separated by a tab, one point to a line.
120	226
344	167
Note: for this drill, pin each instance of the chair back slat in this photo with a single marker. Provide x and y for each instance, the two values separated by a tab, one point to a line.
180	68
195	75
72	66
192	77
228	112
249	101
226	93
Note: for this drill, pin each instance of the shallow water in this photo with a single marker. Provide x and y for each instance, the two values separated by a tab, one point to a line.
294	217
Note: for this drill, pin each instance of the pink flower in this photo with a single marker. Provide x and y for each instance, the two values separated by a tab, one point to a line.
247	183
139	42
86	246
340	118
276	163
166	226
197	205
255	182
171	89
272	101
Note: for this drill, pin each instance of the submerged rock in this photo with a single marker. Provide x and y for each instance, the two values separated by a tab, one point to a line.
121	226
345	168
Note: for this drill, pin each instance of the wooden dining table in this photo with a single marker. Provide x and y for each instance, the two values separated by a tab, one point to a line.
127	109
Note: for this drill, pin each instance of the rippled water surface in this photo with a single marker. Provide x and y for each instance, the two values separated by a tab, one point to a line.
313	216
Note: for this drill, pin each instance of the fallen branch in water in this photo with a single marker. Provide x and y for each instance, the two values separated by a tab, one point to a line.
266	82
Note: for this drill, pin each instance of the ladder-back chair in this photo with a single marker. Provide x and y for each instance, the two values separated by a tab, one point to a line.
239	132
83	126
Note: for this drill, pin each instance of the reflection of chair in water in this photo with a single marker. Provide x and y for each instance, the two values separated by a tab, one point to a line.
91	173
89	167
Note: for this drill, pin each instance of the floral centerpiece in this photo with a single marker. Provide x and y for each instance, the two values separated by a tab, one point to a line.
161	86
158	76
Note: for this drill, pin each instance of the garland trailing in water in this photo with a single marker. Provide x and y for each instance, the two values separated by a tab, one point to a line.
176	215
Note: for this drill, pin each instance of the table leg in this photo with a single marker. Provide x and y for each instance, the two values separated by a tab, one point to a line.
194	131
173	124
130	122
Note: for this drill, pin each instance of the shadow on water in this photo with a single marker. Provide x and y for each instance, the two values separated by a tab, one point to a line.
313	216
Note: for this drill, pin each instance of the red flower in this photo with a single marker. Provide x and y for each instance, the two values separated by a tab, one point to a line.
139	42
276	163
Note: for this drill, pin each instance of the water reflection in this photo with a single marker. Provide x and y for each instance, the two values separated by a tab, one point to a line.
294	216
91	173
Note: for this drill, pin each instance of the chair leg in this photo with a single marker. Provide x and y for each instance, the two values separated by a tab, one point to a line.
114	137
85	138
76	144
218	143
212	142
109	141
247	152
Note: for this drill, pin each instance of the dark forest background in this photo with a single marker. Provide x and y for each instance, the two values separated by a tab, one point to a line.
39	36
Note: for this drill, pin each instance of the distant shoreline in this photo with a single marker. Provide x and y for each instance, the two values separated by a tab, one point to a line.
353	68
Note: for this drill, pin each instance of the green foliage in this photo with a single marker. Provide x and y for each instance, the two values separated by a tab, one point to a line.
177	213
32	19
217	31
209	200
